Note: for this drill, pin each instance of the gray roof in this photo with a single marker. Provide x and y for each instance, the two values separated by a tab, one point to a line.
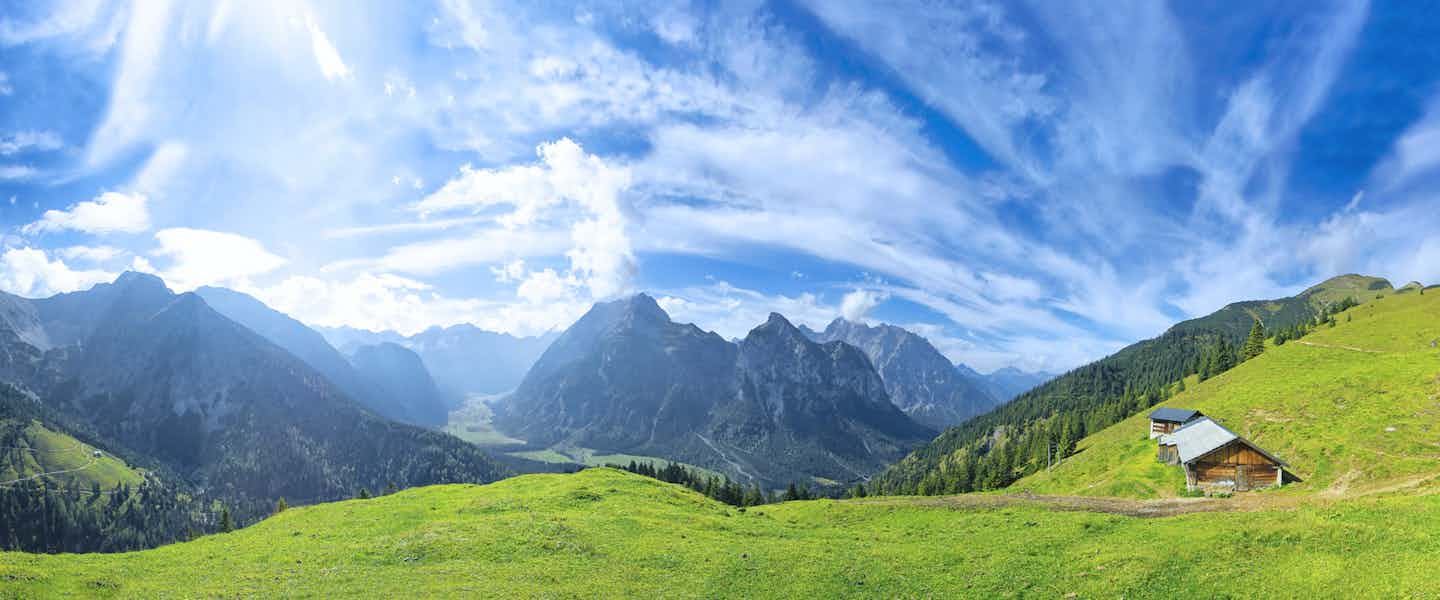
1203	436
1178	415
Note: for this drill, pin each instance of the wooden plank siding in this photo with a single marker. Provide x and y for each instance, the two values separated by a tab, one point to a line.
1236	453
1234	464
1159	428
1168	454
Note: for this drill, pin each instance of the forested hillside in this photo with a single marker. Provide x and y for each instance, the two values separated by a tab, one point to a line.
1045	424
1351	408
64	489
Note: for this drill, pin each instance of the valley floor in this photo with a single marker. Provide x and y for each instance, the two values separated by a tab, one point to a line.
607	533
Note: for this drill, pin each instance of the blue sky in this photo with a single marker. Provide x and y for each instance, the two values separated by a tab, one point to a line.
1026	184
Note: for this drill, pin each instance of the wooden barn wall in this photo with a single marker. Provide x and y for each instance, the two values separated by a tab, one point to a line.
1236	453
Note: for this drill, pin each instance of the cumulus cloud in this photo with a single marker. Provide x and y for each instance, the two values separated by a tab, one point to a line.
197	257
110	212
31	273
856	305
566	186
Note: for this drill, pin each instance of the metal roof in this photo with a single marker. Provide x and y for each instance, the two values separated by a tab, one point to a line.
1203	436
1178	415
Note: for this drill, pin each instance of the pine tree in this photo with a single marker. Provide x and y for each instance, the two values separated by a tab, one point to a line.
390	488
1181	387
1255	343
364	494
281	505
227	524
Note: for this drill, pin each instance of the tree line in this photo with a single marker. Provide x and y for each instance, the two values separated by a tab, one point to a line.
721	487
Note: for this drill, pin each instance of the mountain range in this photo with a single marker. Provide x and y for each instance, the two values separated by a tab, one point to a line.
463	359
772	408
919	380
166	376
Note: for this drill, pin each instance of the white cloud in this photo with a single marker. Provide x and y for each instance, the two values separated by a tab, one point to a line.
17	172
28	141
384	301
5	88
29	272
566	186
197	257
326	57
110	212
856	305
92	254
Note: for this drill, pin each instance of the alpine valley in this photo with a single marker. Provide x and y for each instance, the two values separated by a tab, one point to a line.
713	299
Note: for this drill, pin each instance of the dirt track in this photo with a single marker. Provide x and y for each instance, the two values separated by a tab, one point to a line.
1135	508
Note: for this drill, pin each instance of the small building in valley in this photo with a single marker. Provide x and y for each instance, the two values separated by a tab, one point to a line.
1216	458
1166	420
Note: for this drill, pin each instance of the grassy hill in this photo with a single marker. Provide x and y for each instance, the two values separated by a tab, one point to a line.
30	450
608	533
1351	408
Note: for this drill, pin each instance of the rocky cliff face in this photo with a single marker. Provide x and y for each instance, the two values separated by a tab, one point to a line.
772	408
169	377
919	380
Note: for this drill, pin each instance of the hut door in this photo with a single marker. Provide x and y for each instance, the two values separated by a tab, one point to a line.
1242	478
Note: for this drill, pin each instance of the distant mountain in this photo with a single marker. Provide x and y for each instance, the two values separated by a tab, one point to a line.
919	380
463	359
346	339
773	408
1091	397
402	386
1010	382
410	400
169	377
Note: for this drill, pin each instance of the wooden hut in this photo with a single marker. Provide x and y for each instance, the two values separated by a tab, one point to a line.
1166	420
1215	458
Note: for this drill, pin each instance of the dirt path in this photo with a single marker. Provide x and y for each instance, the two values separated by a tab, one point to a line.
87	465
1351	348
1166	507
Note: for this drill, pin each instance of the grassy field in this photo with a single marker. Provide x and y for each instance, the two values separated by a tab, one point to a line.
471	422
46	451
608	533
1352	409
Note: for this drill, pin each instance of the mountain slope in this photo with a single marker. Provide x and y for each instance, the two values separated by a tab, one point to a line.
607	533
402	386
1351	408
774	408
997	448
168	377
919	380
298	339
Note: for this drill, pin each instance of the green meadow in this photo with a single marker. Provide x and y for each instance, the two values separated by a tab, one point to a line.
606	533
